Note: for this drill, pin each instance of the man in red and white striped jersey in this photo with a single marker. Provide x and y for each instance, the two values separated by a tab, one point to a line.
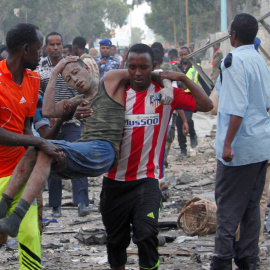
130	192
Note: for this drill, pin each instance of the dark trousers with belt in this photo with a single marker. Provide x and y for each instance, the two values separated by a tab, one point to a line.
182	140
238	192
70	133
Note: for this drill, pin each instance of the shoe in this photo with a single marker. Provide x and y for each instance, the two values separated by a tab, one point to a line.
56	211
83	210
183	153
193	141
248	263
220	264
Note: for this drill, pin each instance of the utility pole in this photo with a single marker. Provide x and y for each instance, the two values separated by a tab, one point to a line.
175	37
187	23
223	15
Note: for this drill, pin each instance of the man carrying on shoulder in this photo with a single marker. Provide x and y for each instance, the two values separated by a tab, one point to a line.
242	146
106	62
130	192
70	131
18	98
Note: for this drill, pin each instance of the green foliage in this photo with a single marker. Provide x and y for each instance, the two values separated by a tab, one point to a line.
87	18
116	12
204	16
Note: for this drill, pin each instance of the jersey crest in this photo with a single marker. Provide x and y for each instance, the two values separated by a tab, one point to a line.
154	102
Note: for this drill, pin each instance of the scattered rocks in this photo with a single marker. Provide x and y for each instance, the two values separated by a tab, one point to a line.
68	245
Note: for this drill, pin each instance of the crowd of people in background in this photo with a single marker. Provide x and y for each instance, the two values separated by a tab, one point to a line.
122	88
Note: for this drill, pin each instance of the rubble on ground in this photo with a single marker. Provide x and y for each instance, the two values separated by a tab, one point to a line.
72	242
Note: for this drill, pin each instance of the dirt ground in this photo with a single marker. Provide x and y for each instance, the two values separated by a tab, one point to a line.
185	179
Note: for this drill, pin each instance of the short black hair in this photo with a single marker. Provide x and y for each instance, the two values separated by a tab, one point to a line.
159	46
141	48
20	34
80	42
54	33
158	56
113	46
246	27
69	46
185	47
173	53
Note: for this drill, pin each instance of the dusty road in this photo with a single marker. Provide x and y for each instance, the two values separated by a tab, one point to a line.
186	178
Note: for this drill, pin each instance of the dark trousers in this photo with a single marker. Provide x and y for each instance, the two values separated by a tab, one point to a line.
238	192
137	203
182	140
70	133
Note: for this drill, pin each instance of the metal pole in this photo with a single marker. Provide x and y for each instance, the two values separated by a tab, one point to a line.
180	20
223	15
187	22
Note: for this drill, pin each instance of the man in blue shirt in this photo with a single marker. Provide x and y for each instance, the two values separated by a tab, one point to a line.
242	145
106	62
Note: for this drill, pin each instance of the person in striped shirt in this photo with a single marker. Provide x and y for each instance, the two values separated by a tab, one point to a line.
130	192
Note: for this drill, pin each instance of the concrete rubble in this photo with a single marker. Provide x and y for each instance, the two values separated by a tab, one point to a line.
72	242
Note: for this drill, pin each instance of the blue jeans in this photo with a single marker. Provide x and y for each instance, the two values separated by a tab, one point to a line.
88	159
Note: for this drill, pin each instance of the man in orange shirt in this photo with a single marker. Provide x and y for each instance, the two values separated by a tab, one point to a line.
19	88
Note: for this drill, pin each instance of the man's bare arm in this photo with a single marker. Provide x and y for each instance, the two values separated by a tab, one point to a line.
9	138
51	109
203	103
48	132
115	81
185	127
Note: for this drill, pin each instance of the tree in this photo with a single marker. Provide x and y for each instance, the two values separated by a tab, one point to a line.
165	17
71	18
204	16
136	35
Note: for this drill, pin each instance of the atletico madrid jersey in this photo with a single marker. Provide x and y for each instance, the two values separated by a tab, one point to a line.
144	134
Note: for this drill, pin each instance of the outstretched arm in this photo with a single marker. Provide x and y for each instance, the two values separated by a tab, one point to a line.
9	138
203	103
